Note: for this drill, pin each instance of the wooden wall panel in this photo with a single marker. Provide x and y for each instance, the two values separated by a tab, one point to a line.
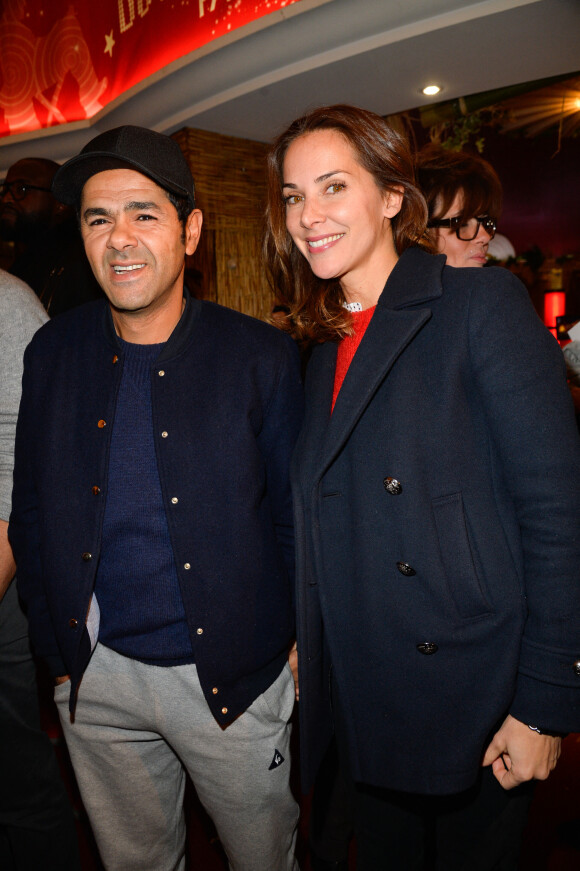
240	277
230	190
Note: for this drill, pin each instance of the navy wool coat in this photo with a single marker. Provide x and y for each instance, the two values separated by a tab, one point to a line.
438	546
227	407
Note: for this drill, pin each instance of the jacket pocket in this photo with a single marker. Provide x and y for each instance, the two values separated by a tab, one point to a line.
464	585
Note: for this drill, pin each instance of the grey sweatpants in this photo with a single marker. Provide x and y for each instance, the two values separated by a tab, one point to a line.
138	728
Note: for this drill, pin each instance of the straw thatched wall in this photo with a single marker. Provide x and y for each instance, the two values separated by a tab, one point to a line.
230	187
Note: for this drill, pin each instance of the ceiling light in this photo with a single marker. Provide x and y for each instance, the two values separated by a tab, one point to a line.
431	90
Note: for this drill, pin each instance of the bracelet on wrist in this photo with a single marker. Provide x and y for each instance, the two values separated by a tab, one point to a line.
548	732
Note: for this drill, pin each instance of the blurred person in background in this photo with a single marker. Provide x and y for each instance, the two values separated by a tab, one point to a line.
48	249
464	198
37	829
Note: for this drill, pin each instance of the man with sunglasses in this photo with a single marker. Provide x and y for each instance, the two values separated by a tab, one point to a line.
48	250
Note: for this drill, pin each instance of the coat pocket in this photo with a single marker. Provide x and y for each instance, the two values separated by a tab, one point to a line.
458	564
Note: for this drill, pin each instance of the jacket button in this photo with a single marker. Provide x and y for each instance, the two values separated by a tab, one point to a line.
215	691
115	358
161	373
577	667
73	623
87	556
224	710
101	423
200	631
392	486
164	434
96	491
427	648
174	500
406	570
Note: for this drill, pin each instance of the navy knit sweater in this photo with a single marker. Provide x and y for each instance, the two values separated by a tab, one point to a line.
142	613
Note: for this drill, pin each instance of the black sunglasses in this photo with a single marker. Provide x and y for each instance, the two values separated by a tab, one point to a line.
19	189
466	230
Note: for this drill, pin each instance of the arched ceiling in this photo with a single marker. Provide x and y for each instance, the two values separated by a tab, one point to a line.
374	53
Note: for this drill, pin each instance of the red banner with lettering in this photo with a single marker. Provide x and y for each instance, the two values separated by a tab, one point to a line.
62	61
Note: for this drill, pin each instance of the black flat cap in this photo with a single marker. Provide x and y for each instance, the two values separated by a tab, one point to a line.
154	154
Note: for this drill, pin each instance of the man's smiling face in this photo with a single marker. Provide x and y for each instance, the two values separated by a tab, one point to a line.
134	240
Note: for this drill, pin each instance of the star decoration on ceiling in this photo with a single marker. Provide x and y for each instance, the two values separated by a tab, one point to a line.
110	42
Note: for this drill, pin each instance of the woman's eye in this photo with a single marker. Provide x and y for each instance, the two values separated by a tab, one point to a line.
292	199
336	187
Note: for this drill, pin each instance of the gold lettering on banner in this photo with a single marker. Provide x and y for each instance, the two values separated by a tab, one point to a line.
202	4
143	7
123	23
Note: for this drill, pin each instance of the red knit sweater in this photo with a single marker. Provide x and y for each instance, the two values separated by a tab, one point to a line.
347	347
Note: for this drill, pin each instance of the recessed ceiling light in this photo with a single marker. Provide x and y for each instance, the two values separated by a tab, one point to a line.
431	90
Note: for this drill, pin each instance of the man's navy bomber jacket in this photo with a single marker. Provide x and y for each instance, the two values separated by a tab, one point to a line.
227	407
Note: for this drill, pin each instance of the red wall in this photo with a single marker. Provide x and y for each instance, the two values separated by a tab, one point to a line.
541	191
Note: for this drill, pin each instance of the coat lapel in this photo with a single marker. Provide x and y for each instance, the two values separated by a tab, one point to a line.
415	280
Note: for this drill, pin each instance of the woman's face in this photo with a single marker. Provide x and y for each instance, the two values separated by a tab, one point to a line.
335	213
459	252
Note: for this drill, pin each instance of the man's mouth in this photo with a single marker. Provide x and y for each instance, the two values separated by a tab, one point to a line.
130	268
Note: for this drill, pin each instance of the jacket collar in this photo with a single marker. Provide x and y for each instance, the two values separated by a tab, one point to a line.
415	279
401	313
179	338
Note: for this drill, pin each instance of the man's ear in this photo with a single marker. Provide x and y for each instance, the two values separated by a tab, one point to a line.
193	230
61	212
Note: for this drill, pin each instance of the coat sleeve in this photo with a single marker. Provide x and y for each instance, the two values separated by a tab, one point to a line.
519	369
24	531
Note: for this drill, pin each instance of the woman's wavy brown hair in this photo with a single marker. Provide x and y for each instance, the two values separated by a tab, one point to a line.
316	305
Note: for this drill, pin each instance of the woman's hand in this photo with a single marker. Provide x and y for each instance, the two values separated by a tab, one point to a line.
517	753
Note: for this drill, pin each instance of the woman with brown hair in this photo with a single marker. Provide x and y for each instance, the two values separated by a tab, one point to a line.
464	198
437	595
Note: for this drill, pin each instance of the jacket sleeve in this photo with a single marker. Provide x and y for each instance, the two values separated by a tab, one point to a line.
281	425
519	368
24	531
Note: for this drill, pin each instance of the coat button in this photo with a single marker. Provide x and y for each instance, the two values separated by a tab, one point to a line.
215	691
392	486
73	623
224	710
161	373
427	648
406	570
164	434
101	423
115	358
96	490
577	667
87	556
200	631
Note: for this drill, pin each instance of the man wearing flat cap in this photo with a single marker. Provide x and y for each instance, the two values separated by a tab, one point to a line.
152	526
